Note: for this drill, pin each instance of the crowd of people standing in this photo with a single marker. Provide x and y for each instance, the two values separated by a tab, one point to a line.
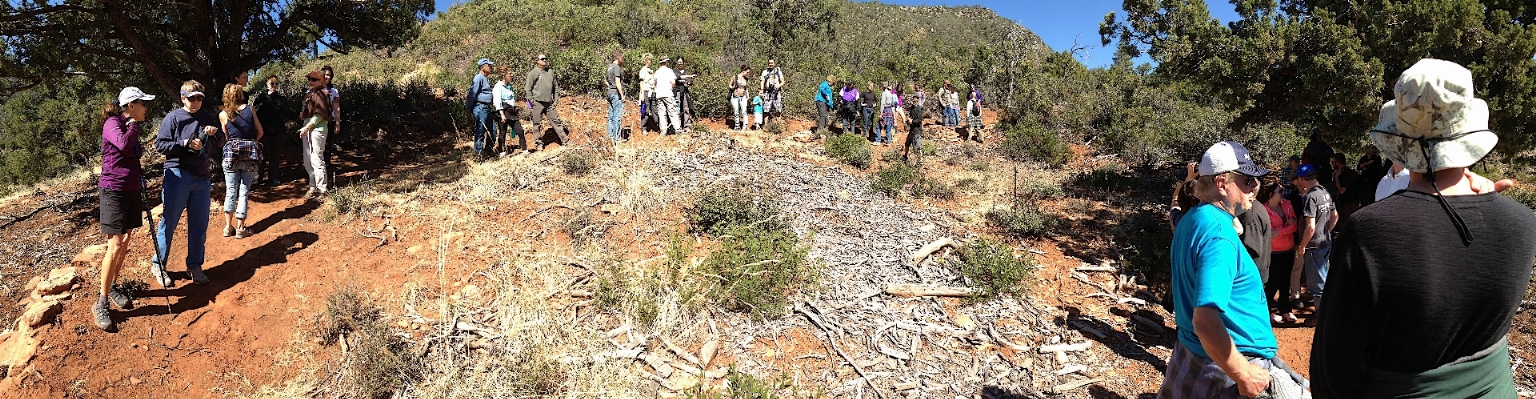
1423	262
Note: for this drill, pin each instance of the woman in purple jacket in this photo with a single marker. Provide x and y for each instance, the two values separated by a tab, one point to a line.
121	188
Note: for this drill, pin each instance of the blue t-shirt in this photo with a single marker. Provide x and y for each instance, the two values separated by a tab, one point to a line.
1211	269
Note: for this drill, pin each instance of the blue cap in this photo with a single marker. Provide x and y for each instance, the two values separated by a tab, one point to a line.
484	62
1306	170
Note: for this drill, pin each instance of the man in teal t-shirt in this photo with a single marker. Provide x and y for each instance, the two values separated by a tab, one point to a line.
1225	342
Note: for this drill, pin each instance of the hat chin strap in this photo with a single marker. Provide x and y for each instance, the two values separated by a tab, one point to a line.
1425	146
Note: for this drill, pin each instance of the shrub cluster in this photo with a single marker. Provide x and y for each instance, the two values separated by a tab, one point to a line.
849	149
1034	143
901	178
379	362
717	210
993	269
1018	221
758	261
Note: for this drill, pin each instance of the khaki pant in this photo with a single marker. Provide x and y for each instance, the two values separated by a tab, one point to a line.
541	111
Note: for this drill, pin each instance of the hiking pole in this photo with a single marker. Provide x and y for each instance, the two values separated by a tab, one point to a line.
154	242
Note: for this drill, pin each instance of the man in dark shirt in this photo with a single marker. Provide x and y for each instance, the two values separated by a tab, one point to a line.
269	106
1345	196
1427	281
1256	236
1318	217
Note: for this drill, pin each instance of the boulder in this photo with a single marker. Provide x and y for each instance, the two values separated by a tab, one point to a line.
58	280
39	313
90	256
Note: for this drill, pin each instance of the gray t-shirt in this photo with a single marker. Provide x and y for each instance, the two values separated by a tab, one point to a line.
614	71
1317	204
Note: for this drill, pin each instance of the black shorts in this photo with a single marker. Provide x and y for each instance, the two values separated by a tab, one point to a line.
121	211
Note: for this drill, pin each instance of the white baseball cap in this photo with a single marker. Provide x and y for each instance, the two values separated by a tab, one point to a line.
1229	156
131	94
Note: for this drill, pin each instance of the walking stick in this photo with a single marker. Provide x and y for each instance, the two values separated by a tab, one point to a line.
154	241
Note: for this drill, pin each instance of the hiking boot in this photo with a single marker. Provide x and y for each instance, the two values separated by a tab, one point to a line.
197	276
240	233
120	297
102	315
229	231
157	271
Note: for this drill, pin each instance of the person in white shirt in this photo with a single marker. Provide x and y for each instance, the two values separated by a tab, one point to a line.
504	101
1393	182
666	101
646	101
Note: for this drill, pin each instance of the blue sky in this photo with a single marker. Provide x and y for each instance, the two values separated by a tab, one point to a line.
1058	22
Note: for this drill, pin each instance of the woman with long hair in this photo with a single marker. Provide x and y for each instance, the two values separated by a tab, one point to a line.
242	157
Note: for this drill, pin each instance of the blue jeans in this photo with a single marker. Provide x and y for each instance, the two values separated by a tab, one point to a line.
180	191
615	115
237	186
484	125
1316	266
951	117
883	132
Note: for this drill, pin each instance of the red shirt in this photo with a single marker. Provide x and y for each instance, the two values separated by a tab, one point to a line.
1283	223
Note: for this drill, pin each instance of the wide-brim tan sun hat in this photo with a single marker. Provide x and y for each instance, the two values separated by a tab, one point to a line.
1434	105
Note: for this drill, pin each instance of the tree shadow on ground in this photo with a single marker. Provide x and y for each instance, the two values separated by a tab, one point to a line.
1009	393
224	276
1130	343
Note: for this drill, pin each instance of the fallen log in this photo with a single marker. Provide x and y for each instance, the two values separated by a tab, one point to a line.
927	250
1077	347
912	290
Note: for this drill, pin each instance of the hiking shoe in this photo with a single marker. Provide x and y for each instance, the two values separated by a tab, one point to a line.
157	271
229	231
120	297
197	276
102	315
241	233
309	194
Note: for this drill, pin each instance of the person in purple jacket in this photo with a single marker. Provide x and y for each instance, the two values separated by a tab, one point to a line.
122	194
186	185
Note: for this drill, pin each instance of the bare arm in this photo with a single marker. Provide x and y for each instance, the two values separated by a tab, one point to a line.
223	121
1251	380
1333	220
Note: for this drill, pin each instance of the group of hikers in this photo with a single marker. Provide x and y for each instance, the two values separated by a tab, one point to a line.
666	104
244	139
1424	262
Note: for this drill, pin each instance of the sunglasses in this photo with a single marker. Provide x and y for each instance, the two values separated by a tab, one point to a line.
543	58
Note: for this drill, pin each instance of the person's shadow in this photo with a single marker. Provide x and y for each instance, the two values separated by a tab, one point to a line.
293	212
223	276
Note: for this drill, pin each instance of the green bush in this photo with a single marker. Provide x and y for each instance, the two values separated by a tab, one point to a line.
758	268
849	149
1019	222
932	188
775	126
719	209
1035	144
892	179
993	269
1523	194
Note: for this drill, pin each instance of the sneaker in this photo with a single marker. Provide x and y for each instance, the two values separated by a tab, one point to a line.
229	231
197	276
309	194
503	154
240	233
120	298
157	271
102	315
1274	318
1288	318
526	152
